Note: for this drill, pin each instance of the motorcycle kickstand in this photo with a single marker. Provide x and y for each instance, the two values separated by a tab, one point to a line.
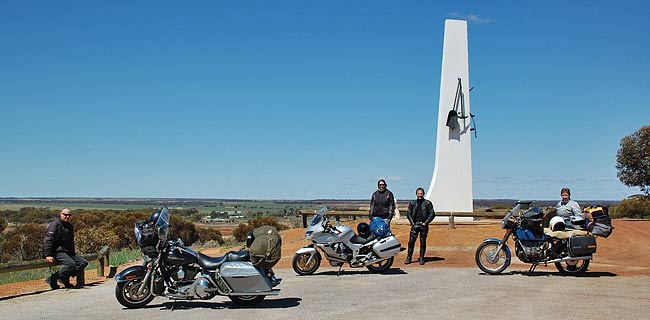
532	268
339	272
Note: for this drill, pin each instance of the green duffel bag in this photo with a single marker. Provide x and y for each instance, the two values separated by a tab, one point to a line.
266	248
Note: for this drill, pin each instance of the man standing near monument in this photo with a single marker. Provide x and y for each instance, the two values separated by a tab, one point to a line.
420	214
382	203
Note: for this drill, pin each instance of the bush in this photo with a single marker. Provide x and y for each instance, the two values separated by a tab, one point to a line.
637	208
23	243
242	229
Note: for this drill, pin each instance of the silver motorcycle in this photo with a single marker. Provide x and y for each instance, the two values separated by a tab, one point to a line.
340	244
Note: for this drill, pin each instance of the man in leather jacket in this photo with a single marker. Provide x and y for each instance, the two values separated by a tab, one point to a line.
420	214
382	203
58	247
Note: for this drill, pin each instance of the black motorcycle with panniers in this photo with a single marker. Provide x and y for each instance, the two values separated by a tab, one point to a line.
569	250
173	270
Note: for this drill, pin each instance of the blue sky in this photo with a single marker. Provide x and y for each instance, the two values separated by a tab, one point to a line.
312	99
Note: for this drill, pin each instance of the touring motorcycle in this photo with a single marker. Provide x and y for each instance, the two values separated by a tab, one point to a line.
186	274
569	251
341	245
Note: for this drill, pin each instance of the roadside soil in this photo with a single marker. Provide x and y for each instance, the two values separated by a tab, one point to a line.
625	253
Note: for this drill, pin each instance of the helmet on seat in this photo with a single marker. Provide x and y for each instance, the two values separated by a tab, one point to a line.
363	229
154	216
578	221
556	223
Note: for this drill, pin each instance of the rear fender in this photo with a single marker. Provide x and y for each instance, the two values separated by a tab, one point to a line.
130	273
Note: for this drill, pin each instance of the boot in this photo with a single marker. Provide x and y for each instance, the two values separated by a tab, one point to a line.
409	254
51	280
422	251
66	283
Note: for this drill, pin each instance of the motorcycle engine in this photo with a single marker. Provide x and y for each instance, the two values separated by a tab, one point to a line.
530	251
201	288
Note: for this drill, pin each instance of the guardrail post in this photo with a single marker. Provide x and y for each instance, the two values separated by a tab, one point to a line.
452	224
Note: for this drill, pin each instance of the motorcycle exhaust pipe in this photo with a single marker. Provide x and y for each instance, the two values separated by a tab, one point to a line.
569	259
273	292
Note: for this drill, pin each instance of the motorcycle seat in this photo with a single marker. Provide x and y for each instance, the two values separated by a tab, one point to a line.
356	239
211	263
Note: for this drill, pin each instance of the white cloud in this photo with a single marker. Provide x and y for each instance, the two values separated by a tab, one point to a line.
471	17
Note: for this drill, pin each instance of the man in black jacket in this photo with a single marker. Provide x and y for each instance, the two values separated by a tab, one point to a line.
58	246
382	203
420	214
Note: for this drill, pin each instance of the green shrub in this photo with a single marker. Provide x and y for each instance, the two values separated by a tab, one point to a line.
637	208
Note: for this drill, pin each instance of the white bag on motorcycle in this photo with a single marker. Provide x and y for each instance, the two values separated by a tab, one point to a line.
242	276
387	247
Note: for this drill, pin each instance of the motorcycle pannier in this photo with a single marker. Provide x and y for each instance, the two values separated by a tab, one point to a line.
242	276
582	245
387	247
600	224
266	249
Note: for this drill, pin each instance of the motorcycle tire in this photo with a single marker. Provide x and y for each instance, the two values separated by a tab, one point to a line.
300	266
489	261
246	301
126	294
572	268
381	266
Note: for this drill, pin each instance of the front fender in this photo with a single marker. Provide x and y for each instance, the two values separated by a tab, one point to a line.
505	247
307	249
130	273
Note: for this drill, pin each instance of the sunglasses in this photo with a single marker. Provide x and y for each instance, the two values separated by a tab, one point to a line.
382	185
67	214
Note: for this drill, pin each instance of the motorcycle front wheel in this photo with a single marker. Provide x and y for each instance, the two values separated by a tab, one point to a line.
127	294
489	260
301	264
381	266
246	301
572	267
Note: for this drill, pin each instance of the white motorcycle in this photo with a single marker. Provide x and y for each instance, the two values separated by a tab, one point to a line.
341	245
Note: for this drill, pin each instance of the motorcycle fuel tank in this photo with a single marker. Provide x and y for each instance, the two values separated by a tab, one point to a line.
387	247
180	256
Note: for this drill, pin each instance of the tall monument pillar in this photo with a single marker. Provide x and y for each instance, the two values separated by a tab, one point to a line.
451	184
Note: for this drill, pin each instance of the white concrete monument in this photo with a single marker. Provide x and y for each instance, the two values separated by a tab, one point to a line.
451	184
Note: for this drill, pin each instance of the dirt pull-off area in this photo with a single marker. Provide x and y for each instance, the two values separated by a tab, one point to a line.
625	253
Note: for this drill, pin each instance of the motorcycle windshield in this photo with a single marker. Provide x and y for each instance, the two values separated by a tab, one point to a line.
318	217
162	225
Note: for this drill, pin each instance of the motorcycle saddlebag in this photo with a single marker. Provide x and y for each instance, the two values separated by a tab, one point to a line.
242	276
582	245
387	247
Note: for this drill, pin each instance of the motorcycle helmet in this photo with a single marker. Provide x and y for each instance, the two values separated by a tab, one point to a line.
557	223
249	239
578	220
363	229
154	216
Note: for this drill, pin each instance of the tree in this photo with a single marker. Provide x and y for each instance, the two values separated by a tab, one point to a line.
633	160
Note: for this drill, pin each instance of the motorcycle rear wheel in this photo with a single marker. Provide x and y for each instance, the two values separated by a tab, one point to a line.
127	295
490	261
381	266
246	301
302	267
572	267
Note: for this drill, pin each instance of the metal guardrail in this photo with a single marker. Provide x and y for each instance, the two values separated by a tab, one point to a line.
363	212
102	256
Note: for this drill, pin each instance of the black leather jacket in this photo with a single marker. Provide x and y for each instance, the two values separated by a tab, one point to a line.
59	237
382	204
424	215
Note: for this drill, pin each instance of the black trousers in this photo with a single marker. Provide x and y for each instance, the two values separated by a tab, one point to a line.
422	231
71	264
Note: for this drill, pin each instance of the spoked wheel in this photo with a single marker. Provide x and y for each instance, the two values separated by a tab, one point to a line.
303	266
246	301
127	294
491	261
381	266
574	267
